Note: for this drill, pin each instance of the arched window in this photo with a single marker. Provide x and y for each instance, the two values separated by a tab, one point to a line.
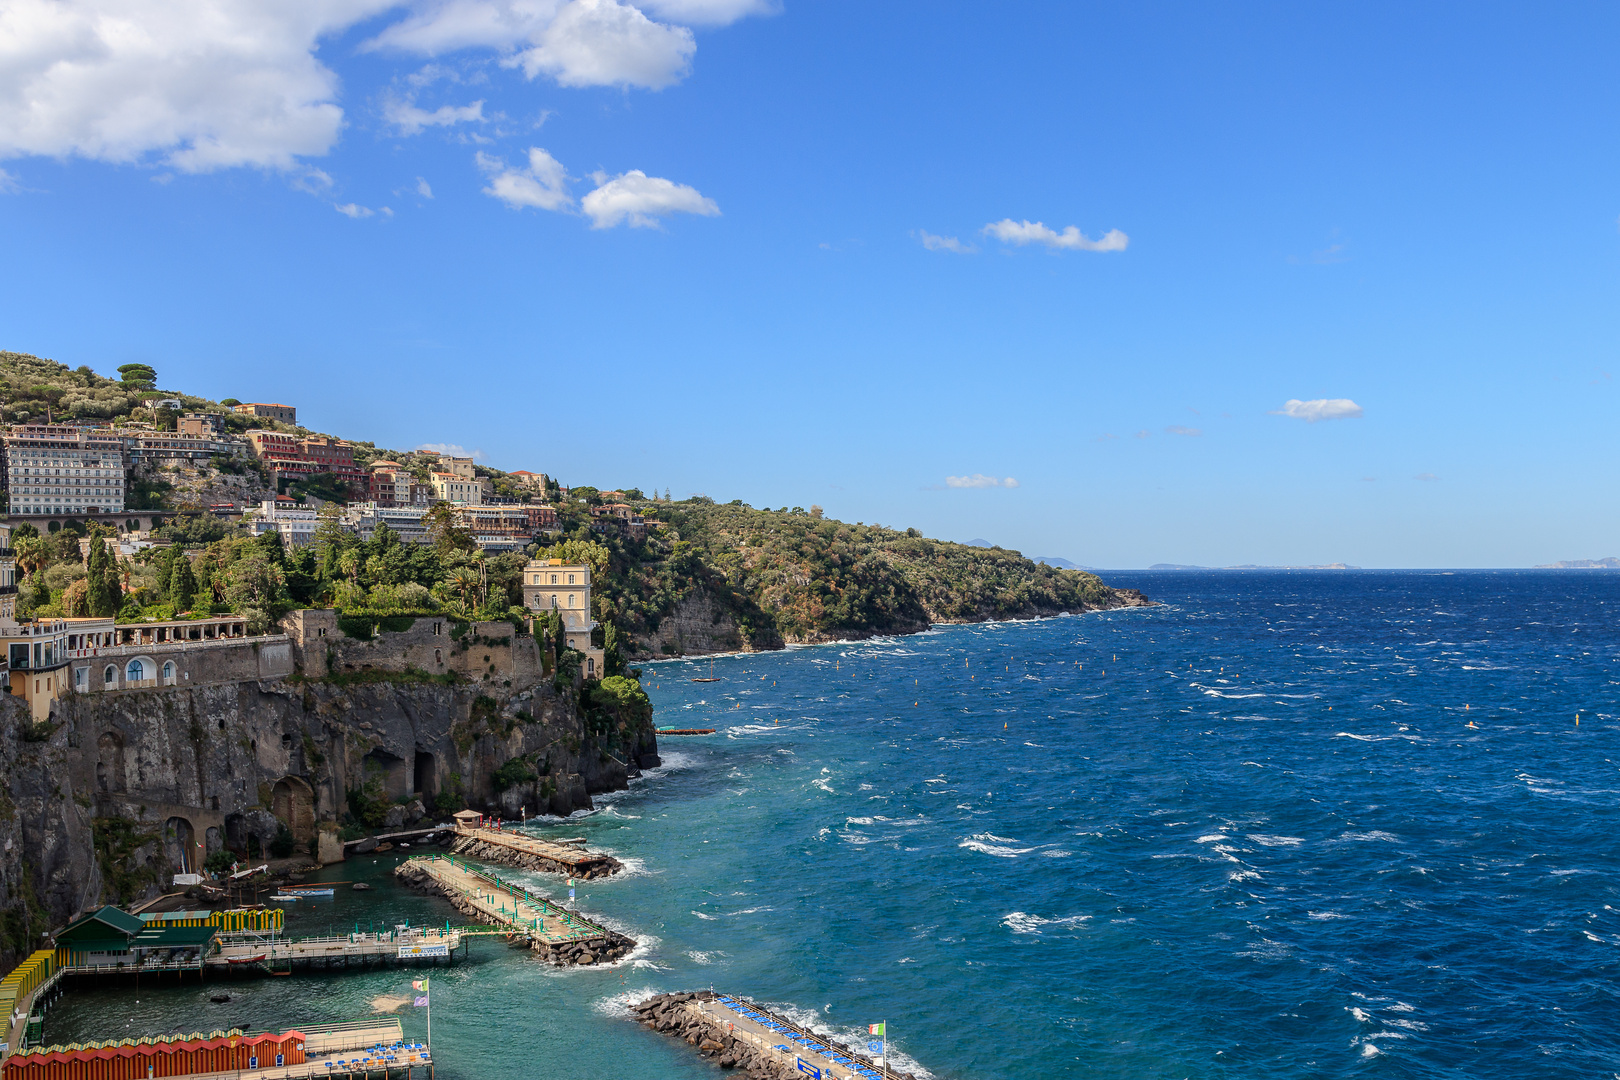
134	672
168	672
110	676
570	599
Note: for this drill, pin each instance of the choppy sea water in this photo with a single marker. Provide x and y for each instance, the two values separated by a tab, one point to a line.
1250	833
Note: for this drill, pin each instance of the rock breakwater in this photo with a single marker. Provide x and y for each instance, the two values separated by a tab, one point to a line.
592	865
724	1037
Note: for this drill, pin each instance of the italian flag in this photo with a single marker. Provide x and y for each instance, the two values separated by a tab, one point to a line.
875	1029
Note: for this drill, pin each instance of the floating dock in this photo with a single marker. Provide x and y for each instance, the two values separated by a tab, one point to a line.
519	849
743	1035
559	935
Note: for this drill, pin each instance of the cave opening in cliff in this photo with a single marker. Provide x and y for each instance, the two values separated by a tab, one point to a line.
427	781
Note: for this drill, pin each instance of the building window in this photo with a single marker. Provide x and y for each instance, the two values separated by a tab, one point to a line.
168	673
110	676
135	671
570	599
570	579
81	678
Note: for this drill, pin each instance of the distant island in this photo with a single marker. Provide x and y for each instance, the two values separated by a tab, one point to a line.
1611	563
1251	566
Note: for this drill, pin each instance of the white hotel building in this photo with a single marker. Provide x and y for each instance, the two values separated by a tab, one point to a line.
58	470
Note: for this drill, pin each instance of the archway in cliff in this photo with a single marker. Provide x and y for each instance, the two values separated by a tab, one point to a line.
110	761
180	846
292	800
427	778
213	840
236	833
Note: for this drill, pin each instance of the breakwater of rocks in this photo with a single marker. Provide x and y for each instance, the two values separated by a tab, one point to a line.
601	948
583	864
681	1016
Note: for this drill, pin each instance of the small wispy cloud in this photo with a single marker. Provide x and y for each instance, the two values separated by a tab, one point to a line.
1009	231
1106	436
979	480
1426	477
354	210
8	183
1177	429
410	119
544	184
1144	434
423	188
453	449
943	243
1319	409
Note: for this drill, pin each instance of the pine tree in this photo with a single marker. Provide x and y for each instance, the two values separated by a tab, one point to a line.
182	585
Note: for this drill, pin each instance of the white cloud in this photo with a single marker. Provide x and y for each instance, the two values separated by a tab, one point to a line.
578	42
544	184
409	119
8	183
1072	239
355	210
1319	409
640	199
198	84
1426	477
708	12
453	449
943	243
1177	429
423	188
979	480
605	43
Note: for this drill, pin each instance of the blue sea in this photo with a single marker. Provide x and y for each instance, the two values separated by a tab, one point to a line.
1286	824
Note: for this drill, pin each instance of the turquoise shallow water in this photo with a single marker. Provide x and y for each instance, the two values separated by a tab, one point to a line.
1246	834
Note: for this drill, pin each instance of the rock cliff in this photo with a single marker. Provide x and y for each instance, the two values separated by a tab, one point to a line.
119	791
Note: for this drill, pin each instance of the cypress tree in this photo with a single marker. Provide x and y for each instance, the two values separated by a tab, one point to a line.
182	585
100	600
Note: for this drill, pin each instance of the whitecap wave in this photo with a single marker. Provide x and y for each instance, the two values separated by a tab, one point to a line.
980	842
1276	841
1020	922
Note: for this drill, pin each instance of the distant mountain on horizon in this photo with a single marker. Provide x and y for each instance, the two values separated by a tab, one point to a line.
1252	566
1045	560
1611	563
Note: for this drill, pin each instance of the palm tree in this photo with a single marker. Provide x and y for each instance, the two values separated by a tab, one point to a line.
464	579
30	553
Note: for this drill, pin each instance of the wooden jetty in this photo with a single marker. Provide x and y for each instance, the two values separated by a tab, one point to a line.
558	934
514	848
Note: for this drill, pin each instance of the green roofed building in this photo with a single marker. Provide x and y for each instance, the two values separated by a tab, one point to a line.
104	936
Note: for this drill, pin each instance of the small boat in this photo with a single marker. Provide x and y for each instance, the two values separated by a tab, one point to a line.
686	731
283	897
256	958
711	677
360	886
306	890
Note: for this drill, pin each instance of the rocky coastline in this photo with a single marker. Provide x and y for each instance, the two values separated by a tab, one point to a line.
606	948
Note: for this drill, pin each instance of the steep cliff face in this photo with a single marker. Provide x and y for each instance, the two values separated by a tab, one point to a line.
121	791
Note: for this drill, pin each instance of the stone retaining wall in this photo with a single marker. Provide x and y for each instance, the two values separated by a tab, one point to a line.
600	867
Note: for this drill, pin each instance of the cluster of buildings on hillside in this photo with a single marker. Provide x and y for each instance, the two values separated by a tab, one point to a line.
52	473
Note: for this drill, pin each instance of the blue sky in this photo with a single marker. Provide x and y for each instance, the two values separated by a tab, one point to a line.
779	252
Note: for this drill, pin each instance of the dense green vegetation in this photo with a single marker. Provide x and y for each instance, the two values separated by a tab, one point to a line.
793	575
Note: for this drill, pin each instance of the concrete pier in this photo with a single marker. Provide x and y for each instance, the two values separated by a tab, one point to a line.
559	935
424	945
